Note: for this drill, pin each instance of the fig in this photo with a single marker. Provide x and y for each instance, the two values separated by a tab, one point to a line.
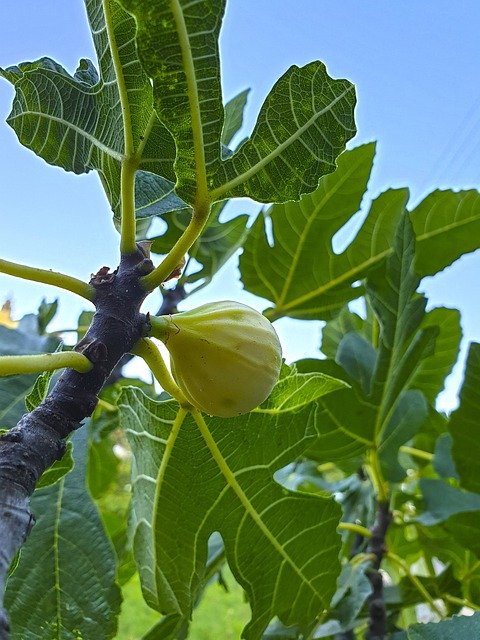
224	356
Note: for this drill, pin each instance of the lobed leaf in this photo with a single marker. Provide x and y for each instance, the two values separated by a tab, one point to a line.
301	274
447	225
191	485
302	127
76	122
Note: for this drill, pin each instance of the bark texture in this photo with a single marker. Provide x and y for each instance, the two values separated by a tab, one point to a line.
38	440
377	623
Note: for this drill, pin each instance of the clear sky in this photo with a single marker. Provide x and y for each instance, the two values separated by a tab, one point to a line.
416	67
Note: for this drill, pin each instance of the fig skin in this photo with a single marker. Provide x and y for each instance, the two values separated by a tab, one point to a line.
225	357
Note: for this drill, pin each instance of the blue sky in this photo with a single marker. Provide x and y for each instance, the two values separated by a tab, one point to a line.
416	68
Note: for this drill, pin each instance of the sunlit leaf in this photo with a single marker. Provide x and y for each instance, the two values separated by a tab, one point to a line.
234	110
302	127
62	118
301	274
224	483
447	225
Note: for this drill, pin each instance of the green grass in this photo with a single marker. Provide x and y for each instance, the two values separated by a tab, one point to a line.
220	615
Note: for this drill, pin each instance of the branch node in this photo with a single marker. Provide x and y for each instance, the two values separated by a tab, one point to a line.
103	277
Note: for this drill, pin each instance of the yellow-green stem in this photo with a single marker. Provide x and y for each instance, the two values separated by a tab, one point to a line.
15	365
417	453
45	276
148	350
462	602
173	258
129	163
161	327
355	528
416	582
128	223
379	482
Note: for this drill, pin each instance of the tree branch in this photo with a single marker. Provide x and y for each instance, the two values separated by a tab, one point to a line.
37	441
377	624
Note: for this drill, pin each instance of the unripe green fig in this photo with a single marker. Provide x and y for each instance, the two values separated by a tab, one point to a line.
225	357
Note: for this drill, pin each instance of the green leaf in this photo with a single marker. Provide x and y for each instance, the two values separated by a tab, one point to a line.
303	125
407	417
443	462
64	119
23	340
456	628
358	357
463	425
187	485
432	371
442	501
344	420
447	225
299	389
337	328
400	311
59	469
46	313
300	273
178	47
353	590
234	110
66	576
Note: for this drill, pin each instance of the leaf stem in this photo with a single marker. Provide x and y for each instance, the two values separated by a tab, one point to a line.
129	162
194	102
462	602
180	248
417	453
379	482
128	224
416	582
15	365
54	278
149	351
355	528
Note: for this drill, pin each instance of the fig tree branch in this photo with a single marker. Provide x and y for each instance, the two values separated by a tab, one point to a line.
38	440
48	277
377	623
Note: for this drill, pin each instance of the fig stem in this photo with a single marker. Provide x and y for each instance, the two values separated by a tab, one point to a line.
149	351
